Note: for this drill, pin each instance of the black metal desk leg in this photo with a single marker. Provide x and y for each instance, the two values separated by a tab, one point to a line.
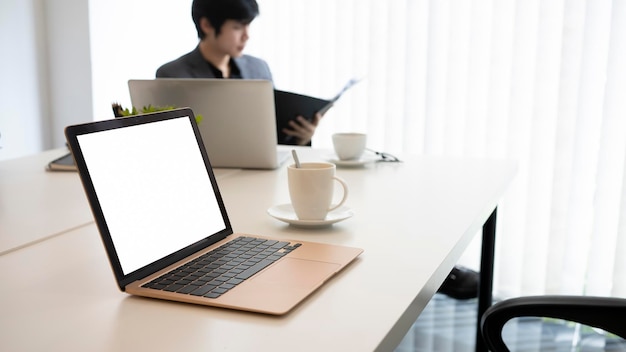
485	287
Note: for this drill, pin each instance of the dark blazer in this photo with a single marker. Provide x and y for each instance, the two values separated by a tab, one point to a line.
193	65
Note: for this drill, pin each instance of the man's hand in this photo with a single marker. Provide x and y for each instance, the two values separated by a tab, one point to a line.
302	129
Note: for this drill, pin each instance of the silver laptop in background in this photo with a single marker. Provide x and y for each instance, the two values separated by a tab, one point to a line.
238	118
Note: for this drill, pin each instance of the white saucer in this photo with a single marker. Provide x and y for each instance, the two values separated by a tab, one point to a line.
285	212
364	160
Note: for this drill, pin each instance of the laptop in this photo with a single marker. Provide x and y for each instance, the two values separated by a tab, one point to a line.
165	228
238	118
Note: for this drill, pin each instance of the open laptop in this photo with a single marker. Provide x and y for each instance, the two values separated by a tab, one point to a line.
166	231
238	118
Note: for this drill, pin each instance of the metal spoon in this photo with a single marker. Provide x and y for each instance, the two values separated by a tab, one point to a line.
295	158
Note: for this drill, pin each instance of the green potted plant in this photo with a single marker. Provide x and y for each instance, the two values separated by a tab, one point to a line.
119	111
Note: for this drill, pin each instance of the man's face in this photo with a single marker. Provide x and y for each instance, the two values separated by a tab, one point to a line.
232	38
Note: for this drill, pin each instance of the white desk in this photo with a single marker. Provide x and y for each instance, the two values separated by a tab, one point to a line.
413	219
36	204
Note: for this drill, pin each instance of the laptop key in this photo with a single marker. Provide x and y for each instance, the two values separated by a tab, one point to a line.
202	290
279	245
212	295
219	290
187	289
234	281
156	286
173	287
254	269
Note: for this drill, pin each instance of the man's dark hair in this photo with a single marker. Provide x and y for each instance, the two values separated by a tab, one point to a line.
218	11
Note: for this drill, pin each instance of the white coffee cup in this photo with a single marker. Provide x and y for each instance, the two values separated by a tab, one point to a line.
311	188
349	146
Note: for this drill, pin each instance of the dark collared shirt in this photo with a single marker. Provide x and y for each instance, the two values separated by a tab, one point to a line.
234	70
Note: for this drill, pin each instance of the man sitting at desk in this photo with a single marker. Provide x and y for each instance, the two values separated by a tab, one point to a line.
222	27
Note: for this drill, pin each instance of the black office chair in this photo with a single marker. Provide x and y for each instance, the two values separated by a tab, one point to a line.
608	314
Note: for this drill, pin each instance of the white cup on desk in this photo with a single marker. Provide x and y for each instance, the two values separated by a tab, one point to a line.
311	188
349	145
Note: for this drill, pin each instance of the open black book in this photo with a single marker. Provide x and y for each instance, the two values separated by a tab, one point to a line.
290	105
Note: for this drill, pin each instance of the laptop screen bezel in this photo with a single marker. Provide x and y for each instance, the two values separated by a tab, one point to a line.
73	132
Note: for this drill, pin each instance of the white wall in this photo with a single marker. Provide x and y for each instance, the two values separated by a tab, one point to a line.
46	73
69	86
20	96
130	39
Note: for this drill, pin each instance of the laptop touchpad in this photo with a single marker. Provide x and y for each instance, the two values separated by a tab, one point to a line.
297	272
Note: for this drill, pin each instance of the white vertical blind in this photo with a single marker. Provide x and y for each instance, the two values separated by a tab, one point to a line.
539	81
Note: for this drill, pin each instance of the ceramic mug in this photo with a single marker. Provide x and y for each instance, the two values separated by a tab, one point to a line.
349	146
311	188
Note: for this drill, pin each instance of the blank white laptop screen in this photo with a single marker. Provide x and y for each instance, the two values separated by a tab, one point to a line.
144	213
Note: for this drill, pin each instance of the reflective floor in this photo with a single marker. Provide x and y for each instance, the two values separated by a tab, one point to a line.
447	324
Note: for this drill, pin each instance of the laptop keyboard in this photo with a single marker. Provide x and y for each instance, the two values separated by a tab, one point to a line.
214	273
